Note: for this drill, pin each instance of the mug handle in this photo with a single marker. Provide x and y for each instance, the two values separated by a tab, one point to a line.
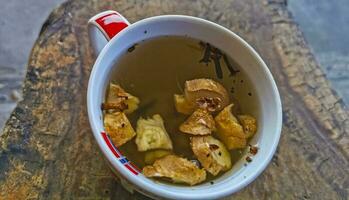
103	27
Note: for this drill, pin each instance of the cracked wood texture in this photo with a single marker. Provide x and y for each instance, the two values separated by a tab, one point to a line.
47	150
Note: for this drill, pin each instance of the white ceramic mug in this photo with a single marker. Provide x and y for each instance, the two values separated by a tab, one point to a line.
111	35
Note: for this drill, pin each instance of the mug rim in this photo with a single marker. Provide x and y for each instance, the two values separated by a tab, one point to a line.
151	187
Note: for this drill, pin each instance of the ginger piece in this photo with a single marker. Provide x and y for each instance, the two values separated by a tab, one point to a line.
206	93
233	142
228	123
249	125
229	130
118	107
118	127
151	134
211	153
119	100
182	105
151	156
200	122
179	170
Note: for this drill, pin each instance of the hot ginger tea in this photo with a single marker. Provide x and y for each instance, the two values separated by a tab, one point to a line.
180	100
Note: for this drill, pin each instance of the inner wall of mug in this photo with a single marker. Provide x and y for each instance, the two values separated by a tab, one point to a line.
267	135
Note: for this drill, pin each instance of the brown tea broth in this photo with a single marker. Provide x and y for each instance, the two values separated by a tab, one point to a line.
156	69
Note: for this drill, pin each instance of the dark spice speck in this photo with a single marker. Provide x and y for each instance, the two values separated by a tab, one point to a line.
232	89
248	159
249	94
212	182
253	150
131	49
214	147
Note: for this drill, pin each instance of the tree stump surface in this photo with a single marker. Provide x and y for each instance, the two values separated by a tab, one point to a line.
47	150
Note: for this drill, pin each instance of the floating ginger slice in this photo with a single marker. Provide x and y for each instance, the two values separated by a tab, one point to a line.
211	153
179	170
249	124
206	93
226	122
119	100
200	122
151	134
118	127
229	130
182	105
151	156
234	142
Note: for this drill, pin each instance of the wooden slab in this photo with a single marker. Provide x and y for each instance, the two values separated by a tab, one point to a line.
47	150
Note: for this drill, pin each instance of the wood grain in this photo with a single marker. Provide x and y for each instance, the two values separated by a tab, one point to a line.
47	150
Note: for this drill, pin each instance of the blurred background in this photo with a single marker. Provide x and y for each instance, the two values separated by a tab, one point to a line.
324	23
